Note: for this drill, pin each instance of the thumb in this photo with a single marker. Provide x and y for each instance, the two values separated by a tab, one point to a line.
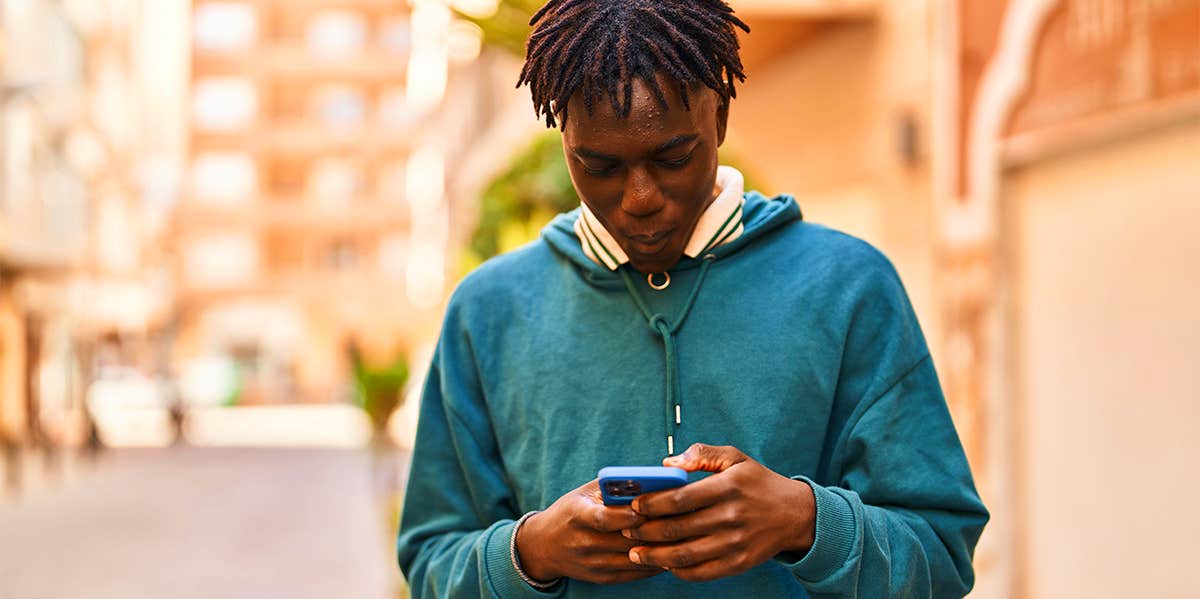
706	458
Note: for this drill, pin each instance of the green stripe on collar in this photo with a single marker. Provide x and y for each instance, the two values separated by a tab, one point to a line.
722	231
615	263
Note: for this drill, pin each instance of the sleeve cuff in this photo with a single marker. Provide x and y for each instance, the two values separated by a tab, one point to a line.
502	577
836	531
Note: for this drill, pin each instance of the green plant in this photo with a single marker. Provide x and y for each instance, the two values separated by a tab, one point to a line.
379	389
509	27
518	203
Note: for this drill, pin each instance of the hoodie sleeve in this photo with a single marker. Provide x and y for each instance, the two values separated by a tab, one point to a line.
459	510
897	510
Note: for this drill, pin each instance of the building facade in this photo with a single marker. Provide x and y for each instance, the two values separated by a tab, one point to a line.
318	211
1027	165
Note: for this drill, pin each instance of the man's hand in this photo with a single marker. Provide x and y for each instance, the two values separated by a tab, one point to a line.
579	537
725	524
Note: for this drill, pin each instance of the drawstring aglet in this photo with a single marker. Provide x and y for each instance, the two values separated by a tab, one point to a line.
670	445
677	419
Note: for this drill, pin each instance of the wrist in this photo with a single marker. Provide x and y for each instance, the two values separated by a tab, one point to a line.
802	532
527	545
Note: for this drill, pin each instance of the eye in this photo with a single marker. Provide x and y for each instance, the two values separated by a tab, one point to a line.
601	171
676	163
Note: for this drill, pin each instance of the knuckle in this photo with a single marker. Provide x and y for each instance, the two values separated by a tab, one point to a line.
679	503
734	562
739	514
680	558
740	562
732	515
670	531
575	543
735	493
731	489
741	476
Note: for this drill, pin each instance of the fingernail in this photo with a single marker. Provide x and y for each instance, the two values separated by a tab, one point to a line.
635	557
627	533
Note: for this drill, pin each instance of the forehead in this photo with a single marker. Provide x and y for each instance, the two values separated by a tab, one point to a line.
647	120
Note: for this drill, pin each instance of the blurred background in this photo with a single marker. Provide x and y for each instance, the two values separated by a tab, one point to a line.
228	229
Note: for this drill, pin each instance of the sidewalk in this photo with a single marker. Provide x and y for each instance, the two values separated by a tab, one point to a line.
203	523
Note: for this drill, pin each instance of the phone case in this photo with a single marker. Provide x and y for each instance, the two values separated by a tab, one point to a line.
620	484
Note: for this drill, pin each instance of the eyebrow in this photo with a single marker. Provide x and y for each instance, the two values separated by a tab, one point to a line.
670	144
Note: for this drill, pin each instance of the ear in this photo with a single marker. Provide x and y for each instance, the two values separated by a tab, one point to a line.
722	121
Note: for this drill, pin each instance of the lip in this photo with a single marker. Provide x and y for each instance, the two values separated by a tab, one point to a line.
650	244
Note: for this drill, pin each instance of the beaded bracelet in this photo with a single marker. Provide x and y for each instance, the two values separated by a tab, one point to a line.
512	553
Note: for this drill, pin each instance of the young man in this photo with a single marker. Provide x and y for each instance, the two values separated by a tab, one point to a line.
674	310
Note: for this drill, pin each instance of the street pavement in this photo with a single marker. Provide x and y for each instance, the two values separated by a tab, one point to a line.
207	523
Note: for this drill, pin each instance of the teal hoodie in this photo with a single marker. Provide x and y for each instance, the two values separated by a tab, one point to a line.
800	348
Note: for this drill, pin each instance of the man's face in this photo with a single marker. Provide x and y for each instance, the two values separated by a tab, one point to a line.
649	176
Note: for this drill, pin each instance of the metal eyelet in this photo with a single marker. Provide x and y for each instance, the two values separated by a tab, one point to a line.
658	287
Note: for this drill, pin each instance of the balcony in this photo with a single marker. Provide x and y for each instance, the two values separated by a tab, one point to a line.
303	140
296	214
295	63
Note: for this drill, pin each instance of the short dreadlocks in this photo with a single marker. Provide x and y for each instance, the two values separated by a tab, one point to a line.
602	45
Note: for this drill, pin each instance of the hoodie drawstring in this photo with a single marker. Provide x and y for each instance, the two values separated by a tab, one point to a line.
659	324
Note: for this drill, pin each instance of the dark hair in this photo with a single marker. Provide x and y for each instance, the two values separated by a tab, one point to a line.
600	45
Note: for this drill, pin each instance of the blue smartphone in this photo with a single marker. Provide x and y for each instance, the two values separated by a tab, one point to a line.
620	484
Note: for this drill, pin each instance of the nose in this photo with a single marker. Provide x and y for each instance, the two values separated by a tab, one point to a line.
641	196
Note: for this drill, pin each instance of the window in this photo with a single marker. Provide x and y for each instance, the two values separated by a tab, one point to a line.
224	177
222	260
336	33
224	104
339	106
224	26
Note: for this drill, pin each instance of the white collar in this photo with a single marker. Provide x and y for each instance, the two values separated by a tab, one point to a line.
720	224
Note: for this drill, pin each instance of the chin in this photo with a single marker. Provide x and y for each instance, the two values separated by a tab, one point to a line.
653	267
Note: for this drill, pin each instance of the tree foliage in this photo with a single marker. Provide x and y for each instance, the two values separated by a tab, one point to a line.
518	203
509	27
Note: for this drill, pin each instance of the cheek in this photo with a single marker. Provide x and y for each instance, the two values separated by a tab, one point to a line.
692	187
583	187
601	195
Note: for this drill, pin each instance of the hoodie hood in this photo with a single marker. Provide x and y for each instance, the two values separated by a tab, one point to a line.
760	215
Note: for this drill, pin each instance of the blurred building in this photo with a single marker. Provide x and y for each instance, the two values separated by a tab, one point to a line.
1030	167
77	178
317	207
215	198
42	203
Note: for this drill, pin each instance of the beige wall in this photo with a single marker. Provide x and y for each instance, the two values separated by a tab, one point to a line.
821	122
1104	247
